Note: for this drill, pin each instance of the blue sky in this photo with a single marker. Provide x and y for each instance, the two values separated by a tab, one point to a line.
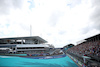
60	22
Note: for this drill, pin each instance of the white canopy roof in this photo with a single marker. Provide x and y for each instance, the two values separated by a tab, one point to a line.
25	38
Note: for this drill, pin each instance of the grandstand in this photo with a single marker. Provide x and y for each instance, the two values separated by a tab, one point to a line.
23	45
27	46
89	48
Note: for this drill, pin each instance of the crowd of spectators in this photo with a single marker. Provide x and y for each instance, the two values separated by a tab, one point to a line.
89	48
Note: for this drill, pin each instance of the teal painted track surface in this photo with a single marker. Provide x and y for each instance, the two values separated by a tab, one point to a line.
9	61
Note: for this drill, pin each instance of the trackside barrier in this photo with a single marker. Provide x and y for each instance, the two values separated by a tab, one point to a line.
85	62
77	61
48	57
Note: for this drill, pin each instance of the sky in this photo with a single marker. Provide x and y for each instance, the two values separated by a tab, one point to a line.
60	22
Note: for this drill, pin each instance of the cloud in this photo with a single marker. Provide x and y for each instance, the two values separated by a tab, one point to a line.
73	3
12	14
7	5
32	4
95	16
60	22
54	18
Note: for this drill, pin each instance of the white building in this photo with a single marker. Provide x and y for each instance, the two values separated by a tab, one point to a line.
24	44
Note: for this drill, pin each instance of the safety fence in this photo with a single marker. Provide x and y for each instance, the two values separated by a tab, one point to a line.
83	61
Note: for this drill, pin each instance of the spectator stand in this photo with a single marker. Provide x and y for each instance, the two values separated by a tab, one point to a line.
90	48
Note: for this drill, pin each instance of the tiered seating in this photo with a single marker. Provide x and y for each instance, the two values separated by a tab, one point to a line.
87	48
